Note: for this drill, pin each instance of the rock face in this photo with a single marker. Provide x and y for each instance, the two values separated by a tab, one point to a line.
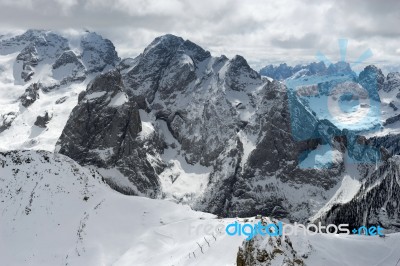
376	203
372	79
392	82
68	68
30	96
98	54
41	121
268	250
258	179
219	115
103	131
6	121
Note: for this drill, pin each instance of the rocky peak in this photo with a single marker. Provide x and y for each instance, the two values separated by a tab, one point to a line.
392	82
98	54
30	35
240	75
340	67
372	79
102	131
109	82
167	65
283	71
36	47
194	51
317	68
68	57
163	44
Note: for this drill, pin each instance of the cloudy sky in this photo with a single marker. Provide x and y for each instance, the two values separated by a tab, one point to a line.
264	32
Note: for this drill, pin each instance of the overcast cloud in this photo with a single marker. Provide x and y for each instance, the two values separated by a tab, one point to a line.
264	32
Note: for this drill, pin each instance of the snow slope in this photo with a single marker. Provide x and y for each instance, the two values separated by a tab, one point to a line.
54	212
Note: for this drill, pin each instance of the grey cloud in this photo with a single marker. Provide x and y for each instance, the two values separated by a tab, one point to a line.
262	31
306	41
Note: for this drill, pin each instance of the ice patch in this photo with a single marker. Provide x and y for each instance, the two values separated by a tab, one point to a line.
249	144
147	124
118	99
95	95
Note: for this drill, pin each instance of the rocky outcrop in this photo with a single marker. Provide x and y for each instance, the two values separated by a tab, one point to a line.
376	203
239	76
392	82
41	121
68	68
98	54
274	161
268	250
6	121
372	80
103	130
30	96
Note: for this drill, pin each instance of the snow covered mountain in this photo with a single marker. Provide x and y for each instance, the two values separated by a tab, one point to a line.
55	212
177	123
376	202
41	75
369	193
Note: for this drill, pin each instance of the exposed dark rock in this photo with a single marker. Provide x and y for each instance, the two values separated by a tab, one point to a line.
392	82
376	203
68	57
372	79
41	121
6	121
263	250
391	120
239	75
104	134
30	96
98	53
62	100
393	106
